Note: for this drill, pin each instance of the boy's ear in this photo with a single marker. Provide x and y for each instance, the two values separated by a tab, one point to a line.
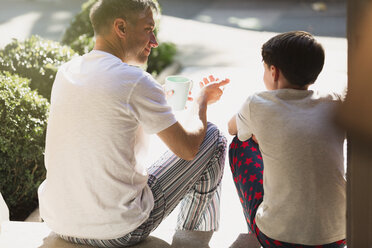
274	72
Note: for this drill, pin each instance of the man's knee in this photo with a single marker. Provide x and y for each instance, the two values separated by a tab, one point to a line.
219	143
212	129
214	133
218	138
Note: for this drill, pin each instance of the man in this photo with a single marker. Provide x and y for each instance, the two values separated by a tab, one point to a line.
96	192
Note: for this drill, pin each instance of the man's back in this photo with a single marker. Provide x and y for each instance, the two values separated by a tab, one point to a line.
99	110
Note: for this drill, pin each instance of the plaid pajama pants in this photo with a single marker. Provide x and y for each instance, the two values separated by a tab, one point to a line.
196	184
247	169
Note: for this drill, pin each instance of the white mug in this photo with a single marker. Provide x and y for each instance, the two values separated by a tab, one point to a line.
180	85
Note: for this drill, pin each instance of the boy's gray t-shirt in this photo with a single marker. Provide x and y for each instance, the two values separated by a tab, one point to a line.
304	180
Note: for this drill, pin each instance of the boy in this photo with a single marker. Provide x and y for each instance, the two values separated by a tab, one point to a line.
303	181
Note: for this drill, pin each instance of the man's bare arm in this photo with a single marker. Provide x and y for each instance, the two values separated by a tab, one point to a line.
185	143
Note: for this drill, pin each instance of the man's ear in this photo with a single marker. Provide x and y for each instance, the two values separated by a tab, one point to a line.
274	72
120	27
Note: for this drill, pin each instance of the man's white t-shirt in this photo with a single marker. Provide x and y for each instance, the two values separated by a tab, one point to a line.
304	180
100	109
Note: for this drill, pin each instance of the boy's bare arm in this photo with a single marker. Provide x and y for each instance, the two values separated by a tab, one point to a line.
232	126
233	130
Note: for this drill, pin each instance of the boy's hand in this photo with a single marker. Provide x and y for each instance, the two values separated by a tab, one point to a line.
254	138
211	89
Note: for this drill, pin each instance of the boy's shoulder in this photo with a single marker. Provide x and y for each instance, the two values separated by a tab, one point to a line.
278	100
329	96
292	94
278	95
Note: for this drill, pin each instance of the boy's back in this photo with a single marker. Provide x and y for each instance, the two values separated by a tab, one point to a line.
303	156
302	180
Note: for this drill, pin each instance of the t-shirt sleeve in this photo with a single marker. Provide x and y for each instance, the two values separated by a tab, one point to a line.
244	122
150	107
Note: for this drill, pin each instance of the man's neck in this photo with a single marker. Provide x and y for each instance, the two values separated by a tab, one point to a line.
107	45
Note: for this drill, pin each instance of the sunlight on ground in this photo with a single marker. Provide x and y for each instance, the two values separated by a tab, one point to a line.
248	23
20	27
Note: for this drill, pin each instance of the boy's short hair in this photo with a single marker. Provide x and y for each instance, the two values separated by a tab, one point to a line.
297	55
104	12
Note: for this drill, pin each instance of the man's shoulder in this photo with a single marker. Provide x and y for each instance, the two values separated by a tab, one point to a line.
103	62
132	72
128	73
74	60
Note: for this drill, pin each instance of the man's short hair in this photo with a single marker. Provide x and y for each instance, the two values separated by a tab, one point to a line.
297	54
104	12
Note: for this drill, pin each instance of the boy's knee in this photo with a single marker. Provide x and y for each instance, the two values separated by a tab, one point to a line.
236	148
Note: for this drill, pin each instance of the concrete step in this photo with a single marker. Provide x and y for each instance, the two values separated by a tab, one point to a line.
16	234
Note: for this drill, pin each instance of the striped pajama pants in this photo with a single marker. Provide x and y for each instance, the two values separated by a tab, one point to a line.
196	184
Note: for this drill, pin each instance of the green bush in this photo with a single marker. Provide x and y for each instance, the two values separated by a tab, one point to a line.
37	59
161	57
79	25
83	44
79	35
23	117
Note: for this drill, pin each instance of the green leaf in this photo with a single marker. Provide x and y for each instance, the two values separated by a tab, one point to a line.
23	118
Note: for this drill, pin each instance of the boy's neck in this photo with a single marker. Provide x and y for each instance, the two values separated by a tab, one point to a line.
293	86
282	83
276	80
